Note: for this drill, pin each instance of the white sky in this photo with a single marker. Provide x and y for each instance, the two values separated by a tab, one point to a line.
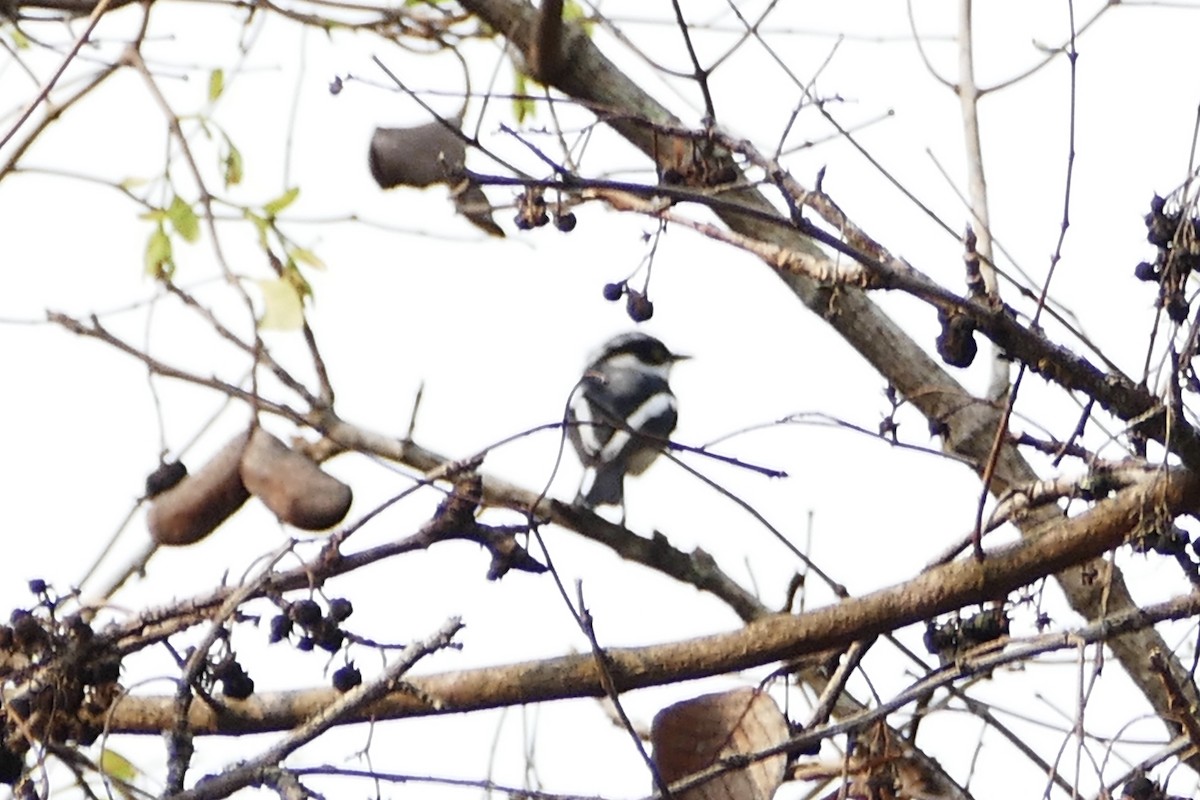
497	331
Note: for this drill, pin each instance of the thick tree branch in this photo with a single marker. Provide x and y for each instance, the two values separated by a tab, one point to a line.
1057	547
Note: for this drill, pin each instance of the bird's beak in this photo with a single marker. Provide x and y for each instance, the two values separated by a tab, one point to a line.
679	357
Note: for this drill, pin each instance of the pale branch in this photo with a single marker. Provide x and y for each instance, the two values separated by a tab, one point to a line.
1059	547
970	423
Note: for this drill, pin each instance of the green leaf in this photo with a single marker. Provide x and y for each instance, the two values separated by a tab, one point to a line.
306	256
184	219
216	84
20	40
160	264
283	310
231	163
153	214
522	103
115	765
272	208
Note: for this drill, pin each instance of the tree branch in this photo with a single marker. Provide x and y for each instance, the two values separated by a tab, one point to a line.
777	637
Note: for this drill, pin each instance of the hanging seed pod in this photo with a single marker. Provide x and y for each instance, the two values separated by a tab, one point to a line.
292	485
420	156
428	154
194	507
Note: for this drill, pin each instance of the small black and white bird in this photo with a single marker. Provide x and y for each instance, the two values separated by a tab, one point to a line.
621	414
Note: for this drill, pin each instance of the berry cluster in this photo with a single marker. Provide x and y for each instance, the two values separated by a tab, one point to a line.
1178	241
531	213
637	304
318	629
57	678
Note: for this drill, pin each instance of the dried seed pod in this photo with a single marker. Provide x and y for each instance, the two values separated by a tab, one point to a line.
193	508
696	734
420	156
292	485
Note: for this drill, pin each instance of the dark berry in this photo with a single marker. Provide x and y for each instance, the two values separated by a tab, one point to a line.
238	687
167	475
542	218
346	678
330	638
37	586
235	682
1145	271
335	86
522	221
281	626
638	306
306	612
565	222
340	609
305	644
613	291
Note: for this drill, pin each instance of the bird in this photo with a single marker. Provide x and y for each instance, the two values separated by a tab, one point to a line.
621	414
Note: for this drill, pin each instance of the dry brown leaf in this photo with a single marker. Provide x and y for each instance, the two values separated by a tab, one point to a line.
695	734
472	203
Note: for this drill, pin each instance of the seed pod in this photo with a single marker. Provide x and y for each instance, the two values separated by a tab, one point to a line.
419	156
193	508
292	485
